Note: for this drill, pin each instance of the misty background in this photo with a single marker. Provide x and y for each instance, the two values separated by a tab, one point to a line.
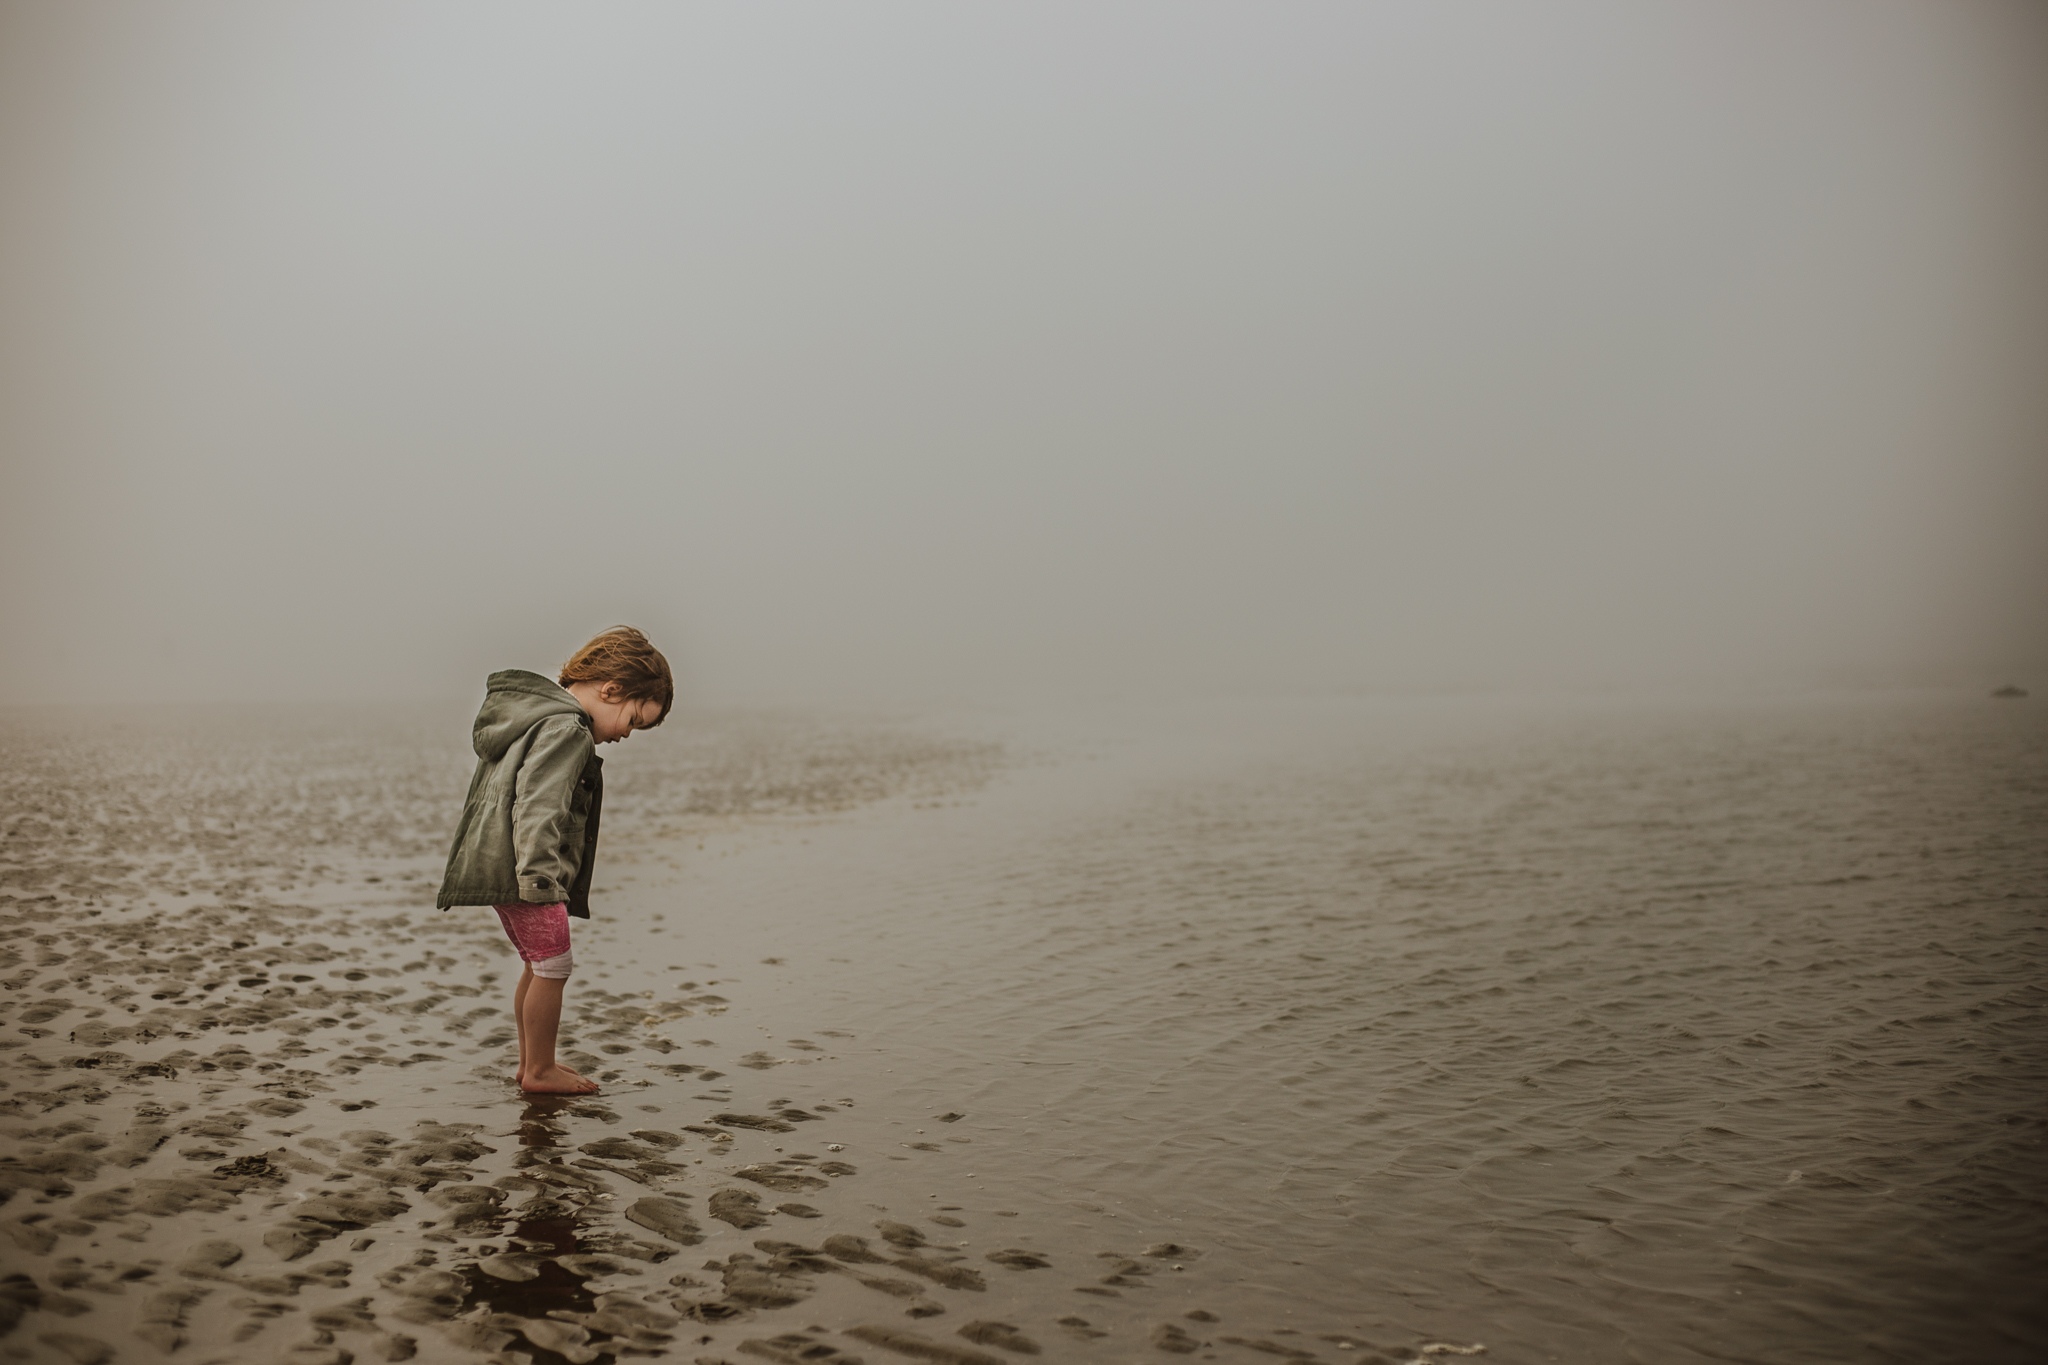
917	352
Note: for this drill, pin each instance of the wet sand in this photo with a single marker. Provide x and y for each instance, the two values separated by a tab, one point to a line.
1297	1034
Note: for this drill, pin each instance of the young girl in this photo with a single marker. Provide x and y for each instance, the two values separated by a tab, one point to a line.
528	837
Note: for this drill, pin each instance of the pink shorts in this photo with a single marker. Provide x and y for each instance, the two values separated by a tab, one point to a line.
541	934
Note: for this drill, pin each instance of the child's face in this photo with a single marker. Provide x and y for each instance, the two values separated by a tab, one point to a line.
613	717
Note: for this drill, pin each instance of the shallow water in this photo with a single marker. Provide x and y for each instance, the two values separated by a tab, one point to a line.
1618	1032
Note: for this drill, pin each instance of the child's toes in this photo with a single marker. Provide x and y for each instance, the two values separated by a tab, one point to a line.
558	1080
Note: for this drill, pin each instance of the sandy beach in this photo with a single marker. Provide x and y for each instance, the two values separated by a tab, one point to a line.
1318	1032
1314	683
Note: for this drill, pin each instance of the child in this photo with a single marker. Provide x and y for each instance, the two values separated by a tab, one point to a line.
528	836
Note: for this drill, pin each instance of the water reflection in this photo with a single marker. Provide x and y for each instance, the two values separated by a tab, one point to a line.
525	1287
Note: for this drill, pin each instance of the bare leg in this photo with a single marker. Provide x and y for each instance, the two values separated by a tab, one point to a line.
541	1016
519	1019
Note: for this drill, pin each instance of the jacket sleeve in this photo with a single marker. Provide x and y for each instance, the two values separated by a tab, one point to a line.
545	843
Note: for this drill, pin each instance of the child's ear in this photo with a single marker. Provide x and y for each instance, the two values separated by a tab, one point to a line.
611	692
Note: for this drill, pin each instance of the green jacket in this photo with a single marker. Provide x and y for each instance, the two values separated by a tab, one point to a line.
529	824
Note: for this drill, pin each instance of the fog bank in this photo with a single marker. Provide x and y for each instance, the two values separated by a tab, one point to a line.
907	352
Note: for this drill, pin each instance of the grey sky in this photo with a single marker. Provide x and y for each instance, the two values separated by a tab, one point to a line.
934	351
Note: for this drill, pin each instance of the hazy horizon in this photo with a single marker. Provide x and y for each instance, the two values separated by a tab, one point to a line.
903	353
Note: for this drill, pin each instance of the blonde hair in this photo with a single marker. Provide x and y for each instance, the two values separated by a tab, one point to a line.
624	656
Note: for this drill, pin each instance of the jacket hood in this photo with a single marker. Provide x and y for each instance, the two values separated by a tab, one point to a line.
514	702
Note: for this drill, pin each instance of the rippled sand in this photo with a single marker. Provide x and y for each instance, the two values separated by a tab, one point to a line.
1344	1032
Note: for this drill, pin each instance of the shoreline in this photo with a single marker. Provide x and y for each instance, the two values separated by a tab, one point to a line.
1567	1034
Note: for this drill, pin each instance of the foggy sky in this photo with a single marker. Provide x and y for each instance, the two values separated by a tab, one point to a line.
934	352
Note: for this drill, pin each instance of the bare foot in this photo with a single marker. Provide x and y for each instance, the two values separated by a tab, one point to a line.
556	1080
